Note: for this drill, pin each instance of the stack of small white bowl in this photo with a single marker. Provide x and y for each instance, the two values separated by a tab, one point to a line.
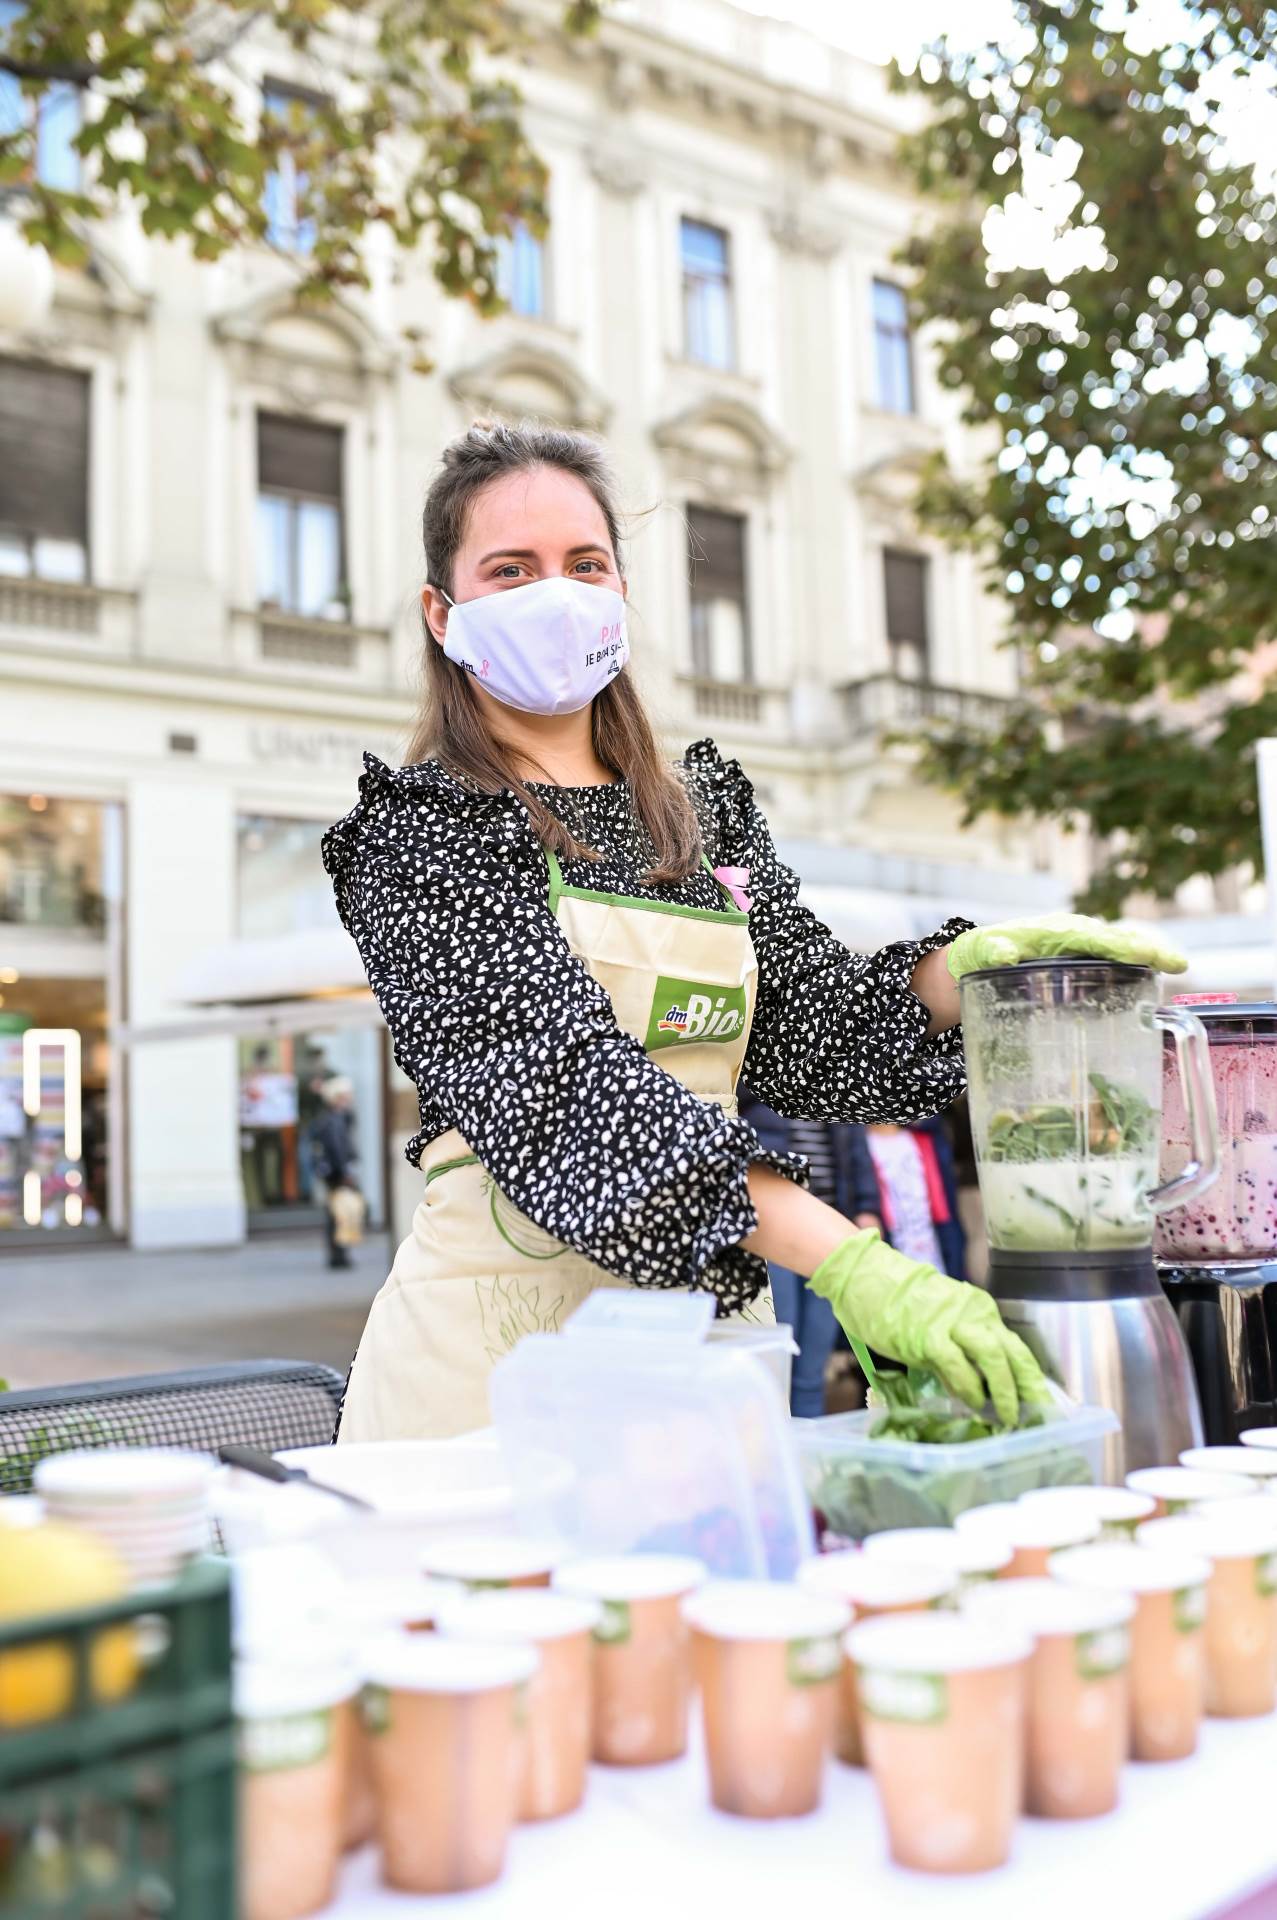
150	1503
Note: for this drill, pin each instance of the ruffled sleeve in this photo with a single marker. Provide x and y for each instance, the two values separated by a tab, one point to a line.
511	1041
837	1035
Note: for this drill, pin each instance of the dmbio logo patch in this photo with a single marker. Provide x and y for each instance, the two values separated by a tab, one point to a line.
690	1013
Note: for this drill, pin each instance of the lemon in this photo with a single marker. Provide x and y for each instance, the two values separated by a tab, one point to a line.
52	1569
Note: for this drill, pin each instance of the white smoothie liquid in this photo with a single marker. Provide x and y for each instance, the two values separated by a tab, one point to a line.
1064	1206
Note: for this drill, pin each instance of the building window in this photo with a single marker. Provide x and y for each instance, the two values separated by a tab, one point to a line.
905	584
521	272
287	183
893	349
300	567
44	460
707	295
54	117
719	601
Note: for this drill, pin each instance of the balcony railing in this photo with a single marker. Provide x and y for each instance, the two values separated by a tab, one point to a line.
886	701
738	703
36	611
268	638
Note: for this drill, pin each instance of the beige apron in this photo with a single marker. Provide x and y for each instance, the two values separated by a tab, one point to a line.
475	1274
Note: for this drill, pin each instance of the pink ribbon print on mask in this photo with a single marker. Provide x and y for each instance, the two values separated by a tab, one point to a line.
735	879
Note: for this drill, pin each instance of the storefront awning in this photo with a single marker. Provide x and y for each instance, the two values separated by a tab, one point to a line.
290	983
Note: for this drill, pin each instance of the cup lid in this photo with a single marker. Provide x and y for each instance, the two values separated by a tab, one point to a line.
1052	1526
517	1614
990	1519
124	1473
1220	1529
392	1600
267	1687
963	1553
1047	1607
442	1663
1261	1437
1120	1504
931	1643
867	1581
488	1556
1258	1463
764	1610
1116	1567
631	1576
1183	1483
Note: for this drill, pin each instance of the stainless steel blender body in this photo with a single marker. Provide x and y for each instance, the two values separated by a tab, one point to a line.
1063	1063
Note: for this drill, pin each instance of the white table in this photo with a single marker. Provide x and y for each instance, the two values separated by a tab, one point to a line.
1190	1839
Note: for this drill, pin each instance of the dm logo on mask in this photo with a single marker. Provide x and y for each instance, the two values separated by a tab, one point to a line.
689	1013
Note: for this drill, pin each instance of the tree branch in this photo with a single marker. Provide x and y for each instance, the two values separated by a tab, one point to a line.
76	73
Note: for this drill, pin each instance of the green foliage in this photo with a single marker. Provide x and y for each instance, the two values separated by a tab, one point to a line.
1131	390
404	127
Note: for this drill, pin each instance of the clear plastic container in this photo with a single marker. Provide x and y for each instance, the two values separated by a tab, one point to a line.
774	1345
860	1486
656	1444
1236	1219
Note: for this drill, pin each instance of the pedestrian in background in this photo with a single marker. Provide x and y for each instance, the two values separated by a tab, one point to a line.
841	1173
918	1193
335	1163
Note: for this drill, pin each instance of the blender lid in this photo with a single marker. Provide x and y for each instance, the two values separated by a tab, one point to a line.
1064	966
1221	1013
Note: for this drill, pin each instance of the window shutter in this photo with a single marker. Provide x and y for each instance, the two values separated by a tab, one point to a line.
716	553
298	456
905	575
44	450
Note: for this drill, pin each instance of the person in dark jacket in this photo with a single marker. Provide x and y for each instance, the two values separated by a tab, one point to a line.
332	1142
840	1172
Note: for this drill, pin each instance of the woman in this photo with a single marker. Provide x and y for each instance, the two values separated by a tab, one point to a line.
576	949
918	1193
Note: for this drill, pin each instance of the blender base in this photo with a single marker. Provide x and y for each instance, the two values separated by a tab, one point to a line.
1101	1325
1228	1315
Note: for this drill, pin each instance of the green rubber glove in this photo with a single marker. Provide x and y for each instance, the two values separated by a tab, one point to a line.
917	1316
1051	936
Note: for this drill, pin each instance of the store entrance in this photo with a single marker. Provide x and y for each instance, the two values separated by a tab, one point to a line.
281	1101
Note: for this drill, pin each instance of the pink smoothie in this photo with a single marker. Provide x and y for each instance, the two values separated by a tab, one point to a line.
1236	1218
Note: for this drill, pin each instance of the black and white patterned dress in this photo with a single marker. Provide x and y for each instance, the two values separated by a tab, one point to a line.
509	1039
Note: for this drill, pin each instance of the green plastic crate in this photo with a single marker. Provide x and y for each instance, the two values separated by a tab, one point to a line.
127	1811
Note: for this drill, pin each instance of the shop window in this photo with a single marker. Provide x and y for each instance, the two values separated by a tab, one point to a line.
287	183
44	465
300	563
719	604
893	348
59	862
707	294
53	119
521	271
905	585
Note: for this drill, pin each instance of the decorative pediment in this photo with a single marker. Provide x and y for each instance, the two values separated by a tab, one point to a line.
723	445
305	353
888	487
528	378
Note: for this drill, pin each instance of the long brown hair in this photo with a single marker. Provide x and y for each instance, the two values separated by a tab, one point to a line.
452	728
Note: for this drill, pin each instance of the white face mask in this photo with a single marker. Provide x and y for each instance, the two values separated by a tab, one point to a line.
547	648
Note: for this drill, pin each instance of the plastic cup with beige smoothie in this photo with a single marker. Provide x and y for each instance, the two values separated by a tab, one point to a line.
446	1718
943	1699
1174	1488
1239	1538
1078	1723
872	1585
642	1653
293	1726
1168	1645
479	1560
558	1722
1118	1510
767	1656
974	1557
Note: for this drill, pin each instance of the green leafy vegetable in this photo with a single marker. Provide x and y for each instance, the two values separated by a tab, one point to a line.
1118	1120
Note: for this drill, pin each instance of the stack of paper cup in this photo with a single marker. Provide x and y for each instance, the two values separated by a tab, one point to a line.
149	1503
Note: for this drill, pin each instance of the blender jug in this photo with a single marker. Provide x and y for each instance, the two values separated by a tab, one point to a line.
1218	1256
1065	1087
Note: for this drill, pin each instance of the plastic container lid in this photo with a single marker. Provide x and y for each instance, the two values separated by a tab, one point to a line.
1221	1529
866	1581
1115	1567
962	1553
270	1688
631	1576
124	1473
1118	1505
764	1610
440	1663
1254	1461
1047	1608
518	1614
930	1643
488	1556
1181	1484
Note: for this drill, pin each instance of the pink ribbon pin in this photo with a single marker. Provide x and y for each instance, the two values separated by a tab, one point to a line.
735	879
